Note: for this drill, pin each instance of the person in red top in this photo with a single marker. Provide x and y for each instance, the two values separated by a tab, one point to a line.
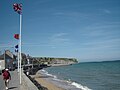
6	77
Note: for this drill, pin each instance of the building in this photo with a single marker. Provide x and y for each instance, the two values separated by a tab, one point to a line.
7	60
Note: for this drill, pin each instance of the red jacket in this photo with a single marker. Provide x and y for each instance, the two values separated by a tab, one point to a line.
6	75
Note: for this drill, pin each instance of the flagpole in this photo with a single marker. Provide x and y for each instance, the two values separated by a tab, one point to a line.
20	44
18	8
18	61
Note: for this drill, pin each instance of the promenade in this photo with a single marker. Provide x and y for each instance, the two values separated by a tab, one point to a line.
15	82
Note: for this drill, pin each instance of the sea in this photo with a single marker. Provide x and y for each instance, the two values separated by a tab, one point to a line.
85	76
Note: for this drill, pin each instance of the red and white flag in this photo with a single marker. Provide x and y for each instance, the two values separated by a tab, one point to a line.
17	8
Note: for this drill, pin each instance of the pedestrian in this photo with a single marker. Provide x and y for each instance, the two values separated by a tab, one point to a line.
6	77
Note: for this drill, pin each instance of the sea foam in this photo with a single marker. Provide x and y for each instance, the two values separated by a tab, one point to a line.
80	86
70	82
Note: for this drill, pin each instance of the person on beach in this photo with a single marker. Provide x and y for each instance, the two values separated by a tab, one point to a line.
6	77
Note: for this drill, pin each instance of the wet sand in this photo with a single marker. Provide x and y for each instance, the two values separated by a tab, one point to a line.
41	79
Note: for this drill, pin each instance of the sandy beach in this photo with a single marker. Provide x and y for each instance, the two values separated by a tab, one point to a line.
41	79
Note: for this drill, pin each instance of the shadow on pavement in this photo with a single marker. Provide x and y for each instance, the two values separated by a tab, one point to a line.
13	87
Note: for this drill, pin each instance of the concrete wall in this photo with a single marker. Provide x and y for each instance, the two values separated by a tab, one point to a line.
27	83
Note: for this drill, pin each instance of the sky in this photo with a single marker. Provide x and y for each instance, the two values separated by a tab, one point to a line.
88	30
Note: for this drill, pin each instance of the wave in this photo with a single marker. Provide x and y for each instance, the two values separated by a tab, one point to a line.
80	86
44	72
69	82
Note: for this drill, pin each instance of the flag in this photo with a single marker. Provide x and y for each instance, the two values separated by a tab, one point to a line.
17	8
16	46
16	36
16	50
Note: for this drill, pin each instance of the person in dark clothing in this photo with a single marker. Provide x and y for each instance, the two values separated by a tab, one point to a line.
6	77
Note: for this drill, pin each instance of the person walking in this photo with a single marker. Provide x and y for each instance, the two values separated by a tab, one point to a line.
6	77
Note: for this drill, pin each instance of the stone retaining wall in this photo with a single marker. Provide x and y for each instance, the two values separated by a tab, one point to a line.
27	83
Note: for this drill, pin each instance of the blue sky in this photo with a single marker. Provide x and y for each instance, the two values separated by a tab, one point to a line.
88	30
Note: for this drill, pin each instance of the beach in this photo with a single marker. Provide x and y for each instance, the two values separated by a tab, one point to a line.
81	76
45	83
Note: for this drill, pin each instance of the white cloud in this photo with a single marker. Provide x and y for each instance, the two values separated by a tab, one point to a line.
35	44
59	35
60	39
97	37
107	11
105	30
59	13
103	25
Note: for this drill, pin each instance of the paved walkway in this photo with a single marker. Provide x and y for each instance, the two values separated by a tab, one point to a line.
1	83
14	83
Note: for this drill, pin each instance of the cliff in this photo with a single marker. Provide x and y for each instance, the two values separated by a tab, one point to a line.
51	61
55	61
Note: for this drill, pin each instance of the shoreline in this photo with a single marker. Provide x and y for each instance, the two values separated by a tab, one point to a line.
57	65
41	79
